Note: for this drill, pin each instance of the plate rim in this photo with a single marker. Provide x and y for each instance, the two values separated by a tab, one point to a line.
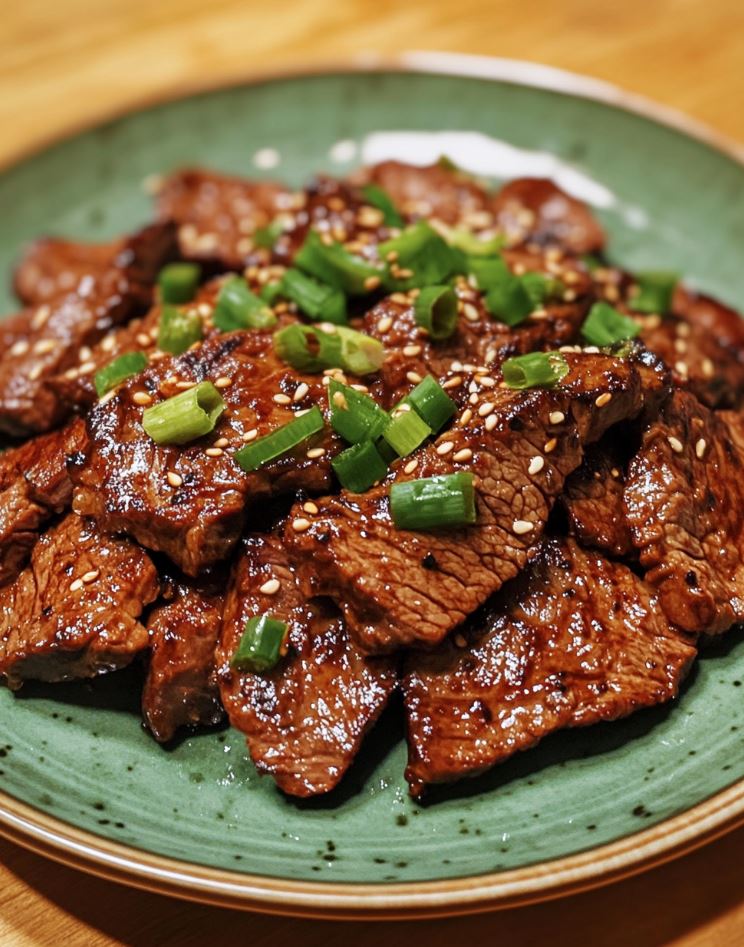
53	838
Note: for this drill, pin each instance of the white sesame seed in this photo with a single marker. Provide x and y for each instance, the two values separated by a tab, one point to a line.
615	472
141	397
316	452
184	385
680	346
400	298
536	464
271	587
491	422
282	399
174	479
44	346
708	368
486	408
249	435
214	452
470	312
385	324
466	416
603	399
551	445
681	368
410	466
486	381
372	282
473	399
300	524
19	348
590	350
76	585
86	367
310	507
444	448
221	442
520	527
473	387
108	342
467	367
143	339
71	374
700	447
91	576
40	317
411	350
453	382
326	381
556	417
463	455
456	366
223	382
339	399
676	444
413	377
683	330
107	397
300	391
85	353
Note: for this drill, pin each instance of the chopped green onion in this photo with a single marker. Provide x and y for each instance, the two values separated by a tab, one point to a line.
360	353
540	287
261	644
178	330
308	348
270	293
509	302
317	300
354	415
184	417
591	261
435	310
405	432
238	308
388	453
378	197
488	272
178	282
474	245
117	371
334	265
605	325
422	252
537	369
655	291
267	236
359	467
434	502
432	403
265	449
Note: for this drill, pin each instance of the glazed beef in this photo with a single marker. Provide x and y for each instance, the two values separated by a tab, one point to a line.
685	504
305	719
38	344
573	641
190	501
73	611
181	687
399	588
51	267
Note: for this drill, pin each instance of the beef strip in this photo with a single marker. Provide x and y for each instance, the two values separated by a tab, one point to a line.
34	485
36	345
181	686
73	612
573	641
123	480
685	504
305	719
51	267
397	587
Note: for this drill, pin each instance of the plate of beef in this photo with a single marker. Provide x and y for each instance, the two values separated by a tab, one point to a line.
372	493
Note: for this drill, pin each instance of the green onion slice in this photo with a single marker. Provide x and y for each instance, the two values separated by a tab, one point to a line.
432	403
334	265
271	293
540	288
184	417
311	349
117	371
435	310
178	282
279	442
261	645
655	291
378	197
605	326
489	272
178	330
474	245
354	415
267	236
239	308
318	301
509	301
359	467
360	353
405	432
434	502
420	250
535	370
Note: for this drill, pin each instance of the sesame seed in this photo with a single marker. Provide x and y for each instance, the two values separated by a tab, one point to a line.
108	342
467	367
473	387
91	576
316	452
410	466
556	417
681	368
454	382
413	377
486	408
310	507
473	399
107	397
603	399
615	472
143	339
300	391
486	381
271	587
680	346
470	312
411	350
399	298
339	399
391	256
85	353
444	448
223	382
221	442
521	527
86	367
141	397
249	435
404	272
370	216
551	445
519	269
184	385
40	317
456	366
676	444
76	585
491	422
19	348
71	373
590	349
536	464
466	416
569	295
372	282
700	448
214	452
463	455
300	524
282	399
174	479
44	346
326	381
708	368
683	330
360	388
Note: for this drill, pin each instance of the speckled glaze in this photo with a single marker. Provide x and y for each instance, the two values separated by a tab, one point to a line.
78	753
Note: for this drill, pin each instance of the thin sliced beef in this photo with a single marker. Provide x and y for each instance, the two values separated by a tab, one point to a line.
190	501
573	641
537	210
685	503
51	267
73	612
181	687
397	587
38	344
305	719
34	485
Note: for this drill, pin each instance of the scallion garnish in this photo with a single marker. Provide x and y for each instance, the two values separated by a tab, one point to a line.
509	301
540	287
239	308
360	353
378	197
488	272
534	370
432	403
268	448
261	645
267	236
318	301
405	432
178	282
418	257
117	371
435	310
334	265
605	326
359	467
271	293
184	417
178	330
655	291
474	245
312	349
434	502
354	415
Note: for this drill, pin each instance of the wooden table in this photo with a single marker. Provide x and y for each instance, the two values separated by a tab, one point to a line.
69	63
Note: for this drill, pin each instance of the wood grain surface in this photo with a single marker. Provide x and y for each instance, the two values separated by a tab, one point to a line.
67	64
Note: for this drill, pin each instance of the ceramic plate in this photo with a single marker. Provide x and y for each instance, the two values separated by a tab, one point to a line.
82	782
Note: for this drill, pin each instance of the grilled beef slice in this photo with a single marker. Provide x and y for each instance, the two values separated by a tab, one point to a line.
685	503
34	485
40	343
197	515
305	719
51	267
574	640
181	686
397	587
73	611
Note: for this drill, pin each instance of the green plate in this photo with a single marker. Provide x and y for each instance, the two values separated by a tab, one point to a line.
81	779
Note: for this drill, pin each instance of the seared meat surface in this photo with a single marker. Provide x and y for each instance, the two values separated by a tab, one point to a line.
575	640
305	719
52	267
